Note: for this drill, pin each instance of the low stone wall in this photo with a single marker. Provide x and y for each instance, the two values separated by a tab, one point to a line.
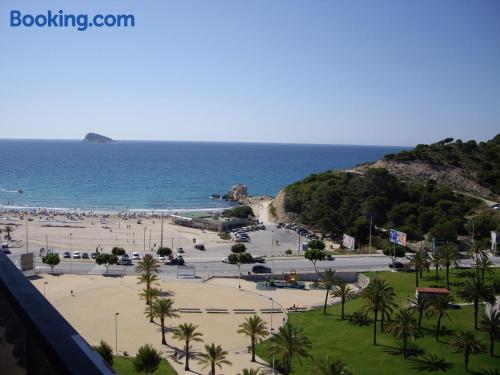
346	277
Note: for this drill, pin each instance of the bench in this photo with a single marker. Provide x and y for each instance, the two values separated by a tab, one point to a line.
244	311
271	311
217	311
189	310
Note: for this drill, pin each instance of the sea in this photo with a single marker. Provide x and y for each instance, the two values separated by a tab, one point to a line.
158	175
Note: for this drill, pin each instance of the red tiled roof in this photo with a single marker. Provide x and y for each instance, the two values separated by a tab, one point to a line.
433	290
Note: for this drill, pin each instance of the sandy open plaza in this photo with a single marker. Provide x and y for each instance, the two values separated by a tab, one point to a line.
89	303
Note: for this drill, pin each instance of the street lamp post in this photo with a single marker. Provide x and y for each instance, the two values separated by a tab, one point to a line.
44	284
239	275
116	333
145	239
70	251
272	329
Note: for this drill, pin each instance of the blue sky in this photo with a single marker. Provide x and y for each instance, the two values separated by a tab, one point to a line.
309	71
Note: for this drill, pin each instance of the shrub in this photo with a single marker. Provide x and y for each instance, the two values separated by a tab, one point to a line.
147	359
240	211
288	252
224	236
105	351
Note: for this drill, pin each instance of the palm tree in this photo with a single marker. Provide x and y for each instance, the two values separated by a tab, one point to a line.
328	366
374	295
187	332
8	229
163	308
404	326
490	323
148	269
477	251
438	306
467	343
420	262
387	305
475	291
255	328
449	258
436	261
213	356
421	305
288	342
485	265
328	279
149	295
344	292
249	371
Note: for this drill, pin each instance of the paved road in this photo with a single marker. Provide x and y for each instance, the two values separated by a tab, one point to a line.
341	263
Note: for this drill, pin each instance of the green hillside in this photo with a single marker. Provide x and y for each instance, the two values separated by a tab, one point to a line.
480	161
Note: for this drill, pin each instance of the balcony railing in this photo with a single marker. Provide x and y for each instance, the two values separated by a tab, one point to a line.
34	337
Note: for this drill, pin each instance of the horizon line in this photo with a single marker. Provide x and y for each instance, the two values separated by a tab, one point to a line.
209	141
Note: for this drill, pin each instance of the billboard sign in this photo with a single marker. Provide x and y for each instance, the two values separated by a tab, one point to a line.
495	238
348	242
27	263
398	237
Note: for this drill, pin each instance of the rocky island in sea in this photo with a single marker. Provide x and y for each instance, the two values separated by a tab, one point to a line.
96	138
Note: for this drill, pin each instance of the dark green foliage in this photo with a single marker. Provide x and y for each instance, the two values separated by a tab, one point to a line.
398	253
147	359
314	255
105	351
360	318
316	244
118	251
52	260
164	251
106	260
233	258
245	258
238	248
481	161
339	202
240	211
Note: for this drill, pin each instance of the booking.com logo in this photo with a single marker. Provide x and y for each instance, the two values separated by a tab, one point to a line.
79	21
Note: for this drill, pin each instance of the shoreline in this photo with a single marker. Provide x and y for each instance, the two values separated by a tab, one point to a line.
153	212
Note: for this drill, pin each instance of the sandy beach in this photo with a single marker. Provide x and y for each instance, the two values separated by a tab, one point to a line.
92	306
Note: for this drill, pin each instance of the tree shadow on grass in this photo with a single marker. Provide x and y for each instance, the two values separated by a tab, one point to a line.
431	363
411	351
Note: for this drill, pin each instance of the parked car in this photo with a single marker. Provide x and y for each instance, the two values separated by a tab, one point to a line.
259	260
93	255
243	239
180	250
329	257
397	265
85	256
66	254
161	258
179	261
125	260
76	255
199	246
135	255
261	269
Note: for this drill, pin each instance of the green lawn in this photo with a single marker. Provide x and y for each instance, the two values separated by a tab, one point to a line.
353	344
124	366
